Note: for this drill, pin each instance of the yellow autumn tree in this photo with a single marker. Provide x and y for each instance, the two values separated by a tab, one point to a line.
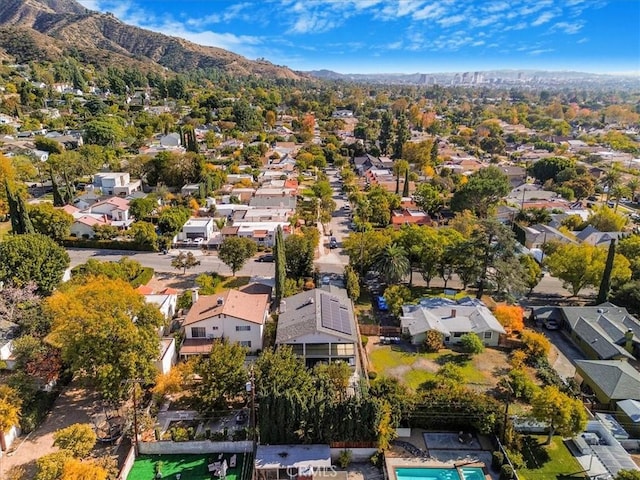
75	469
510	317
9	410
106	332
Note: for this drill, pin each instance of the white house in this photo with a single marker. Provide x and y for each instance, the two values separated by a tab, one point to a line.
233	315
319	325
452	319
198	227
116	209
8	331
83	225
168	355
166	302
116	183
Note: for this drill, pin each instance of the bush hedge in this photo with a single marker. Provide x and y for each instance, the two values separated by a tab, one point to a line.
106	245
143	278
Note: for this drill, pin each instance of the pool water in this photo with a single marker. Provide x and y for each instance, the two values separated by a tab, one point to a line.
428	473
472	473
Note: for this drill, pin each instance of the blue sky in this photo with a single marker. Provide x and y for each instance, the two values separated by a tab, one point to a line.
404	36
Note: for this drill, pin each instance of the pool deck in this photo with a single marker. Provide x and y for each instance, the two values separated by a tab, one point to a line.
445	451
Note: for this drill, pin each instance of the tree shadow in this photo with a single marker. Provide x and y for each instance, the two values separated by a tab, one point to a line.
456	358
534	453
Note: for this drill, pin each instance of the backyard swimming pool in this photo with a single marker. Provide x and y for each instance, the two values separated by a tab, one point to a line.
434	473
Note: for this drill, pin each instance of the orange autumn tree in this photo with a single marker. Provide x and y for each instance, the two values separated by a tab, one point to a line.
511	317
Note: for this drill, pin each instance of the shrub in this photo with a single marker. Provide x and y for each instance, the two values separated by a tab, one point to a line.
344	459
523	387
433	341
506	472
364	339
536	345
497	459
471	343
143	278
516	459
179	434
372	375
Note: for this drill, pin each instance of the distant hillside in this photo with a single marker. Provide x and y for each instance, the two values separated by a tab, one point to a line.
92	34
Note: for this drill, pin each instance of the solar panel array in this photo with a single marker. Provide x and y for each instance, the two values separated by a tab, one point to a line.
333	315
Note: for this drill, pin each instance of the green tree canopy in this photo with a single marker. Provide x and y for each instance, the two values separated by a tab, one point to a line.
32	258
223	376
548	168
563	414
235	251
580	266
50	221
106	332
484	189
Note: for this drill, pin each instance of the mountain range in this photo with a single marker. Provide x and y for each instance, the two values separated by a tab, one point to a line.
48	29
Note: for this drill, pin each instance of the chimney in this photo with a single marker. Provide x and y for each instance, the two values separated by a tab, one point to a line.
453	313
628	341
194	296
283	306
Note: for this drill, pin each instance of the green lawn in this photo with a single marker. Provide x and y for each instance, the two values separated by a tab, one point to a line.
192	467
417	368
548	461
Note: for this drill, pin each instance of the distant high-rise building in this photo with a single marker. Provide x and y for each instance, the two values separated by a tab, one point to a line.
466	77
456	79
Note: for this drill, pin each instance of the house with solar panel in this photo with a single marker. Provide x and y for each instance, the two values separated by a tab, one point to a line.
320	326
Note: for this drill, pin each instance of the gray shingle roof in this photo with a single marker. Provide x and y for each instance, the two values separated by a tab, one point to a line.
616	378
303	316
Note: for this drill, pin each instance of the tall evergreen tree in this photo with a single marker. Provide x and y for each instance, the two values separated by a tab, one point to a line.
605	283
434	152
405	188
386	132
20	222
281	264
58	201
402	136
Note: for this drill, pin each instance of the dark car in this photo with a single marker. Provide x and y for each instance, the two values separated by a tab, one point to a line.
266	258
333	243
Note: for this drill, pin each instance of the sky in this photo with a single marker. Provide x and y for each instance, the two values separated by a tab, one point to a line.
404	36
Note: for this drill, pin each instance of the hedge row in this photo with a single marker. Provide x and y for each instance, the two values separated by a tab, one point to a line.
145	277
106	245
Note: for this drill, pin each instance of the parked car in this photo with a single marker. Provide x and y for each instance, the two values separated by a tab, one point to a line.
266	258
382	303
333	242
551	324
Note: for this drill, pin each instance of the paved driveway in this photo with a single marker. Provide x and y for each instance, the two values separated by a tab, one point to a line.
73	406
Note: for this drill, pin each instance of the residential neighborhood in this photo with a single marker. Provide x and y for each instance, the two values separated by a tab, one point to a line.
205	275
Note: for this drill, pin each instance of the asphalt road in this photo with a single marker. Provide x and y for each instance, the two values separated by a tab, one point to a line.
162	263
334	260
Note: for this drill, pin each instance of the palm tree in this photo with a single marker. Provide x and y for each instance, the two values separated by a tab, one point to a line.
619	192
634	186
611	179
392	264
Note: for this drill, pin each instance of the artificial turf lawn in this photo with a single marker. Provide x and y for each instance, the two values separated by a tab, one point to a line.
192	467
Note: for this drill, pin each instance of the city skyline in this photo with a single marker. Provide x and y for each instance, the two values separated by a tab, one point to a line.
404	36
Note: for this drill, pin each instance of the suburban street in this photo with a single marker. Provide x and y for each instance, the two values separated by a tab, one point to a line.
334	260
209	262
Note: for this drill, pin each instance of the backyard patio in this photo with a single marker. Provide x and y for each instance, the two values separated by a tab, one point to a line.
190	467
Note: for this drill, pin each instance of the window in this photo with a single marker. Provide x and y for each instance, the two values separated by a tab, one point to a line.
198	332
457	334
245	343
488	334
243	328
215	327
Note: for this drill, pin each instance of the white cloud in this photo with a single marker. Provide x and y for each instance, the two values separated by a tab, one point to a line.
540	51
452	20
569	28
394	46
478	43
497	7
543	18
429	12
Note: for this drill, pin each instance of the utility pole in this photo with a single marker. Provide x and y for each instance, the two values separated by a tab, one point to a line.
135	382
510	392
250	387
